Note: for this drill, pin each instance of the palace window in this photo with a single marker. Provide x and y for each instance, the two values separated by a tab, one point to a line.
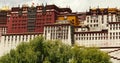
95	38
87	38
90	38
88	20
113	33
116	33
96	20
91	21
102	19
113	28
81	38
12	38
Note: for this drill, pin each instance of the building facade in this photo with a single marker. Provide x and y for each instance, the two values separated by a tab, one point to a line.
62	31
97	19
99	27
32	19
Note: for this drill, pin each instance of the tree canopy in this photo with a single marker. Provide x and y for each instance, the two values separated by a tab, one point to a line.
43	51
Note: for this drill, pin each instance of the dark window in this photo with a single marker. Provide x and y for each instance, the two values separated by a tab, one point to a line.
113	33
91	21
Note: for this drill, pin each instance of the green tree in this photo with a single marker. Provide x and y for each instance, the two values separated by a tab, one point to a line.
43	51
23	54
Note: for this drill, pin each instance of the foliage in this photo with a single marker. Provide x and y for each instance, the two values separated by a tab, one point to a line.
42	51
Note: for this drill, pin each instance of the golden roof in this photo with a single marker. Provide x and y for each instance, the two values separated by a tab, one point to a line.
25	5
101	8
112	9
5	8
93	9
109	9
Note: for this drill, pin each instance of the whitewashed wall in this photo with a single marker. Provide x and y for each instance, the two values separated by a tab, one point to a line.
10	41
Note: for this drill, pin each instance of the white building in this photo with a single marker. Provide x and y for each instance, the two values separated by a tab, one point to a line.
104	30
62	30
101	28
10	41
98	18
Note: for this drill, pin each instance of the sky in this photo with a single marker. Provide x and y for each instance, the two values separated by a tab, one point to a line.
75	5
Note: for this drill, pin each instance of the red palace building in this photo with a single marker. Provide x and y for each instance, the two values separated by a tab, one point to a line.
4	14
32	19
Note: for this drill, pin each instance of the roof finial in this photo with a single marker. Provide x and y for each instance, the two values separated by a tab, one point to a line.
19	5
90	7
46	4
42	4
33	3
37	4
98	6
